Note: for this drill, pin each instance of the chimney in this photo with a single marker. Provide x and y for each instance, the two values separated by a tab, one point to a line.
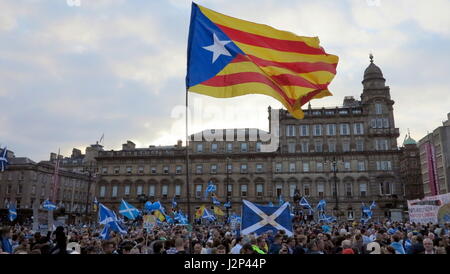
128	146
52	156
349	101
76	153
179	143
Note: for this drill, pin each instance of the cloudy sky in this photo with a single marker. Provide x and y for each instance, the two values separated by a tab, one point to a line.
71	70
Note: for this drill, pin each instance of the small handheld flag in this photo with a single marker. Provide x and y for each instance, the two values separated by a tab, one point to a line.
210	188
128	210
12	212
174	203
215	201
49	205
208	216
321	205
303	202
227	204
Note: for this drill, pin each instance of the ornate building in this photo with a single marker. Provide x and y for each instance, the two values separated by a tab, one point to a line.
358	138
27	184
410	170
435	160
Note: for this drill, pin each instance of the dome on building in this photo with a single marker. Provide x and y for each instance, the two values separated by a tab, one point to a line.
372	71
409	140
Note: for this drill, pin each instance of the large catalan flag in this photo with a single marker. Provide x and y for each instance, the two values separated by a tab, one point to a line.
230	57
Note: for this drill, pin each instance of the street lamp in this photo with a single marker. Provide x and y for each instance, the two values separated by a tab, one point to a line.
335	170
228	182
89	170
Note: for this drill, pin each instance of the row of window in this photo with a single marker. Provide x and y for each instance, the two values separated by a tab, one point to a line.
332	112
379	123
330	129
385	188
259	168
379	144
229	147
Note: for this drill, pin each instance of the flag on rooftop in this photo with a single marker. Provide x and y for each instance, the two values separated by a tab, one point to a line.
229	57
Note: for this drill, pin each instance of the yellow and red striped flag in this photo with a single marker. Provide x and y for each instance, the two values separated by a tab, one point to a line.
230	57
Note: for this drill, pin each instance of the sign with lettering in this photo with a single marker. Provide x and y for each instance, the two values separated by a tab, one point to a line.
431	209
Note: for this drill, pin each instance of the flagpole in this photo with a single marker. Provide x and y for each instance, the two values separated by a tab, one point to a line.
188	167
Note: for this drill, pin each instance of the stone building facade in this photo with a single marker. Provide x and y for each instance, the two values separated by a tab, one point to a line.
28	184
410	170
359	138
435	160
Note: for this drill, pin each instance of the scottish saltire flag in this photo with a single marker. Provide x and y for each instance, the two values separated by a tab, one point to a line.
321	205
326	218
109	218
181	218
169	219
303	202
373	205
12	212
210	188
174	203
208	215
3	159
260	219
49	205
229	57
128	210
227	204
215	201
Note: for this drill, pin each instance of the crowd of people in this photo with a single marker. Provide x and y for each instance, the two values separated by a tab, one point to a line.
307	238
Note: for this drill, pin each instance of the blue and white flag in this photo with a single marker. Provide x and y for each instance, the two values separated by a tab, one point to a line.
321	205
169	219
303	202
174	203
270	204
208	216
152	206
227	204
128	210
215	201
373	205
181	218
280	200
109	218
210	188
12	212
3	159
259	219
326	218
49	205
